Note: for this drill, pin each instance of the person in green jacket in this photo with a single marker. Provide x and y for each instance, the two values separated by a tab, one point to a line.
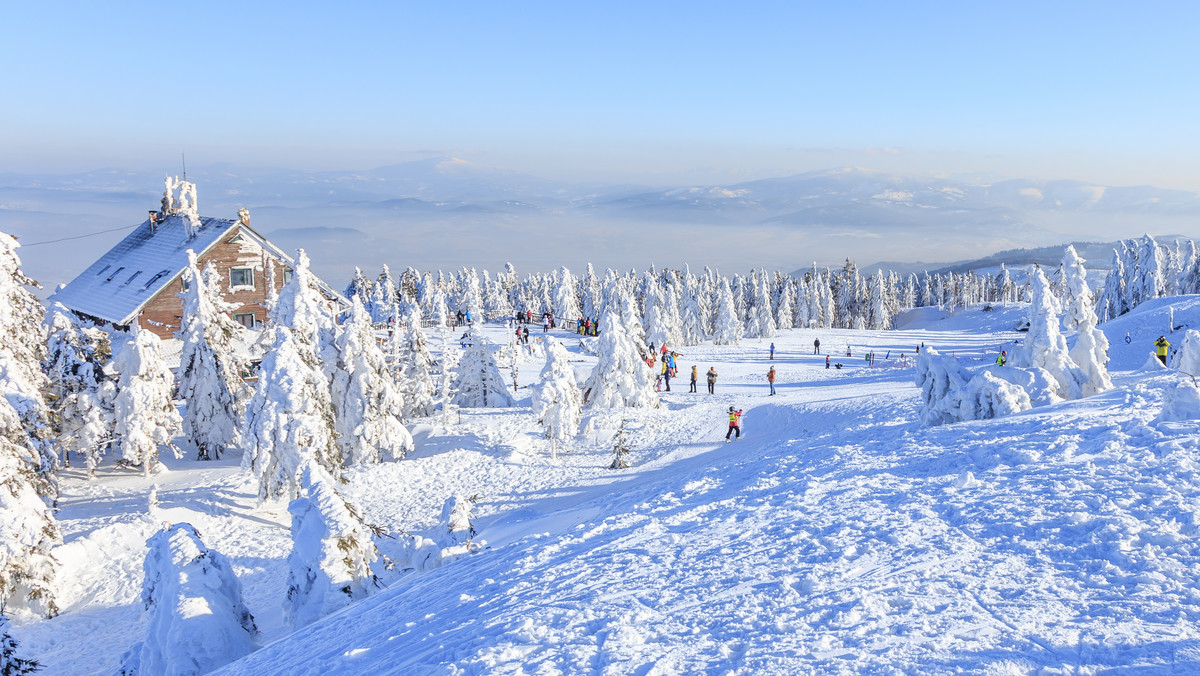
1002	358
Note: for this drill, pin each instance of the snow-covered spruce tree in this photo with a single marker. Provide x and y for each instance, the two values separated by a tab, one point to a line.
369	424
289	420
304	312
28	531
566	299
209	371
760	322
1090	351
146	416
413	366
81	394
22	350
693	322
557	401
620	377
655	321
332	551
785	310
728	327
1045	347
478	383
198	621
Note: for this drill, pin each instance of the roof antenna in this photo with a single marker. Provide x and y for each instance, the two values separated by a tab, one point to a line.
183	159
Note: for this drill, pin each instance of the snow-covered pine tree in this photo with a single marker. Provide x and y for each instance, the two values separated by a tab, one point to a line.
557	401
413	366
693	322
785	311
370	403
879	316
457	514
1149	278
761	320
1045	347
22	351
28	531
729	328
566	300
332	551
289	420
1090	351
360	286
81	394
198	621
10	663
478	383
655	321
383	298
304	312
620	377
146	415
209	371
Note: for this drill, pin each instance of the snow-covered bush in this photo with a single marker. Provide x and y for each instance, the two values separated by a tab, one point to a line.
369	426
332	551
1181	402
289	420
950	394
457	513
28	531
198	621
146	416
478	383
1038	384
557	402
209	370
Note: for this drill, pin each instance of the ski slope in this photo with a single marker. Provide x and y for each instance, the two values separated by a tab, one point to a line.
837	536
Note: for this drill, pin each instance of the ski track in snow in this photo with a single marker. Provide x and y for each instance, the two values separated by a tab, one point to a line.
837	536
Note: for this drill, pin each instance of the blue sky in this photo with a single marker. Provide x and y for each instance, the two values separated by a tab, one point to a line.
666	92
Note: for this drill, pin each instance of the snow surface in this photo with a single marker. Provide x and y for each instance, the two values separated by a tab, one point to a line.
839	535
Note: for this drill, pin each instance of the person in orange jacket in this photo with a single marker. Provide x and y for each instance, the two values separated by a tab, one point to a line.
735	420
771	380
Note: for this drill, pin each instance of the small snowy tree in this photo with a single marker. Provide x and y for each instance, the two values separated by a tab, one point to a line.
209	372
81	393
198	621
370	403
457	513
478	383
1045	347
1090	351
10	664
414	367
332	551
146	416
557	402
289	420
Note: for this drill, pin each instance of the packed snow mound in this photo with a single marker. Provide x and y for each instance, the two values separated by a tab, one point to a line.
1181	402
1169	317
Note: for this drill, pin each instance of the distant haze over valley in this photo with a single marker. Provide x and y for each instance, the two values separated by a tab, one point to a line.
447	213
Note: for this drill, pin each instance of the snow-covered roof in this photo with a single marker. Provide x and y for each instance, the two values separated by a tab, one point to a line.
120	282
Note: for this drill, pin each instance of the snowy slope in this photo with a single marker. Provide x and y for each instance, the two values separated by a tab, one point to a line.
838	536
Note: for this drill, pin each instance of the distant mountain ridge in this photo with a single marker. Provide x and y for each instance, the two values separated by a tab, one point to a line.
444	212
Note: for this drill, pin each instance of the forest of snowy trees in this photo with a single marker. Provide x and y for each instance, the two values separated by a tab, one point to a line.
338	389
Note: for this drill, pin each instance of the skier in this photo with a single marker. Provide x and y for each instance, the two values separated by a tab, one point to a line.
771	380
772	351
1161	344
735	418
817	346
525	334
1002	358
826	361
693	378
712	378
666	373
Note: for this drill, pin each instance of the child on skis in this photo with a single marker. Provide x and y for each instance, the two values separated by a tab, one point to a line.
735	419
